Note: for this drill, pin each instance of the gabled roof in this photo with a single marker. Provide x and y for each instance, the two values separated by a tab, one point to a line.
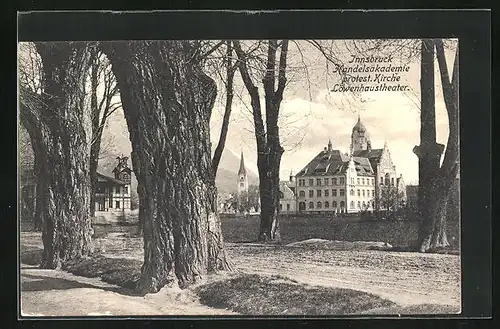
110	179
127	169
334	162
372	155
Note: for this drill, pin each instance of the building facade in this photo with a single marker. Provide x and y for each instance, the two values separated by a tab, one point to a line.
287	197
113	192
348	182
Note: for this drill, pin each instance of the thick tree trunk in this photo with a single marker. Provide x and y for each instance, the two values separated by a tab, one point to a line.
434	229
167	101
64	127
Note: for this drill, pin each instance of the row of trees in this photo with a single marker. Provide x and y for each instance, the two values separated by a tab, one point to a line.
167	99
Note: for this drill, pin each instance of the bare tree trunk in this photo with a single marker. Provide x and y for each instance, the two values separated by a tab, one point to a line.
438	181
230	71
269	149
96	132
167	101
63	129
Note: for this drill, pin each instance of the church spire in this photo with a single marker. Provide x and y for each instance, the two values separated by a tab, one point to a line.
329	144
242	170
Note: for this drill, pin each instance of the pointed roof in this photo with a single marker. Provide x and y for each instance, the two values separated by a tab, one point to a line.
242	170
334	162
359	126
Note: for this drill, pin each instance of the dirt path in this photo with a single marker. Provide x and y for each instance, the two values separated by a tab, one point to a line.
405	278
57	293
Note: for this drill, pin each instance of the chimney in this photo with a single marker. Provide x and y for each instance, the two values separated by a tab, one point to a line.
329	145
292	178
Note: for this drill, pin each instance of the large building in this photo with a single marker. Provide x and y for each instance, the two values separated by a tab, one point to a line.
349	182
113	192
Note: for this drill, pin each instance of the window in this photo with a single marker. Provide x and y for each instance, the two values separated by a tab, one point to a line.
311	182
327	204
334	181
387	180
327	192
342	181
357	181
281	195
359	194
362	181
359	205
281	207
373	181
117	189
352	204
311	205
342	192
318	181
364	205
392	181
381	180
302	194
342	204
352	180
287	207
319	204
373	193
117	204
363	192
327	181
318	193
334	204
334	192
373	204
125	189
311	193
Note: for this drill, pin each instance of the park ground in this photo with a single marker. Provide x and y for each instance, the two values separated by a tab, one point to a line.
302	278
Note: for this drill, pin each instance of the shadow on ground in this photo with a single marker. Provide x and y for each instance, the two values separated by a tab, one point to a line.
33	283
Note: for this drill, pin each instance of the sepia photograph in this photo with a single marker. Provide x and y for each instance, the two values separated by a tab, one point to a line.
238	177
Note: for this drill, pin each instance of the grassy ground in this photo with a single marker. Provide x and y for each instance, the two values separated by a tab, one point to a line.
397	233
276	295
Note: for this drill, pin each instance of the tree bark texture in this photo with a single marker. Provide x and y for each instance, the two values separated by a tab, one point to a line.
437	181
269	149
61	126
167	101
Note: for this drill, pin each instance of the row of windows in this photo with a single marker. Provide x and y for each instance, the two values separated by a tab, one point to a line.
387	181
322	181
365	193
302	194
319	193
326	205
116	189
287	207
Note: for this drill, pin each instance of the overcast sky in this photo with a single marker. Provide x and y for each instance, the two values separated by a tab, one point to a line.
311	114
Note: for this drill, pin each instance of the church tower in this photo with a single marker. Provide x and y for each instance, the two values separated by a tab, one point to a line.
242	177
360	140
